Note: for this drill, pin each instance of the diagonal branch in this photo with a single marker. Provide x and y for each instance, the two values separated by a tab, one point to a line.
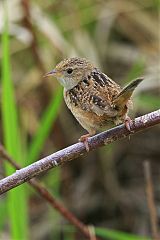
44	193
74	151
34	44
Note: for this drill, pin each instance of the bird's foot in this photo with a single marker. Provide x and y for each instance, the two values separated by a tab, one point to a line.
128	123
84	139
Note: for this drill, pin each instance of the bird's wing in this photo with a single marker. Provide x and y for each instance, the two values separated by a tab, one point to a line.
102	94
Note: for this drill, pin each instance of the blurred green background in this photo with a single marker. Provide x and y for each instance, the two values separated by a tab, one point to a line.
106	188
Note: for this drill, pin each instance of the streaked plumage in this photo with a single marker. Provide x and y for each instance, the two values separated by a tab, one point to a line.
94	99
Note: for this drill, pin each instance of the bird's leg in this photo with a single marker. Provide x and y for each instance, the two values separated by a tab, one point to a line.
127	123
84	139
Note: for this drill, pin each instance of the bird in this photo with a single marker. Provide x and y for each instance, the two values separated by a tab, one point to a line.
94	99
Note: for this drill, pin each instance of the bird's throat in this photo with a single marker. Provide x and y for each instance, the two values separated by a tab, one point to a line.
67	83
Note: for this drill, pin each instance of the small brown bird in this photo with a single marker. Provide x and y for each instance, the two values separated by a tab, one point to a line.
94	99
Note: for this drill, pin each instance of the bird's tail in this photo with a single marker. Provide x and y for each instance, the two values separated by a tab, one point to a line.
122	98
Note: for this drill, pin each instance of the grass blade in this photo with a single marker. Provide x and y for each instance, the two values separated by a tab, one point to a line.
117	235
44	127
16	199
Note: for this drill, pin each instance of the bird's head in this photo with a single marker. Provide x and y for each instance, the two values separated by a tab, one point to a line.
71	71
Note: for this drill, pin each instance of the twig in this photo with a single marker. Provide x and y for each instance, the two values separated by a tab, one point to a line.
27	20
34	43
150	200
74	151
43	192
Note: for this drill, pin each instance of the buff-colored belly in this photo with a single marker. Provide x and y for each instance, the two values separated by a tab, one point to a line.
90	120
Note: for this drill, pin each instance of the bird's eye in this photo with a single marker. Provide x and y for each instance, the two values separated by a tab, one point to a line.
69	70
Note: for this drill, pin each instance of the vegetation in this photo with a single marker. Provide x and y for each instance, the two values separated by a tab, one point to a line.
106	188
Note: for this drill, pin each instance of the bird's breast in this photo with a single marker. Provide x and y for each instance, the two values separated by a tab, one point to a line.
88	119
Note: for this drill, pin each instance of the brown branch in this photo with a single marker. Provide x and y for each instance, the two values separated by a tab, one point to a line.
34	44
27	21
44	193
150	200
76	150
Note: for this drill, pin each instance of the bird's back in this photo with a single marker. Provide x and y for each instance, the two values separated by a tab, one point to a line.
91	99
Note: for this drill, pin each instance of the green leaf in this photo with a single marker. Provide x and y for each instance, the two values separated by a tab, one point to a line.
117	235
3	213
16	199
106	233
45	125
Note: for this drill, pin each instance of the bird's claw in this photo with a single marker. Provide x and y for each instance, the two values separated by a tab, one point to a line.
128	124
84	139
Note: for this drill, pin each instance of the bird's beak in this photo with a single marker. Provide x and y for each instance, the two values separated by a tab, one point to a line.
53	72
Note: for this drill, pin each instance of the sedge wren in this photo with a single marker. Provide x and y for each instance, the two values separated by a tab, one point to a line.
93	98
